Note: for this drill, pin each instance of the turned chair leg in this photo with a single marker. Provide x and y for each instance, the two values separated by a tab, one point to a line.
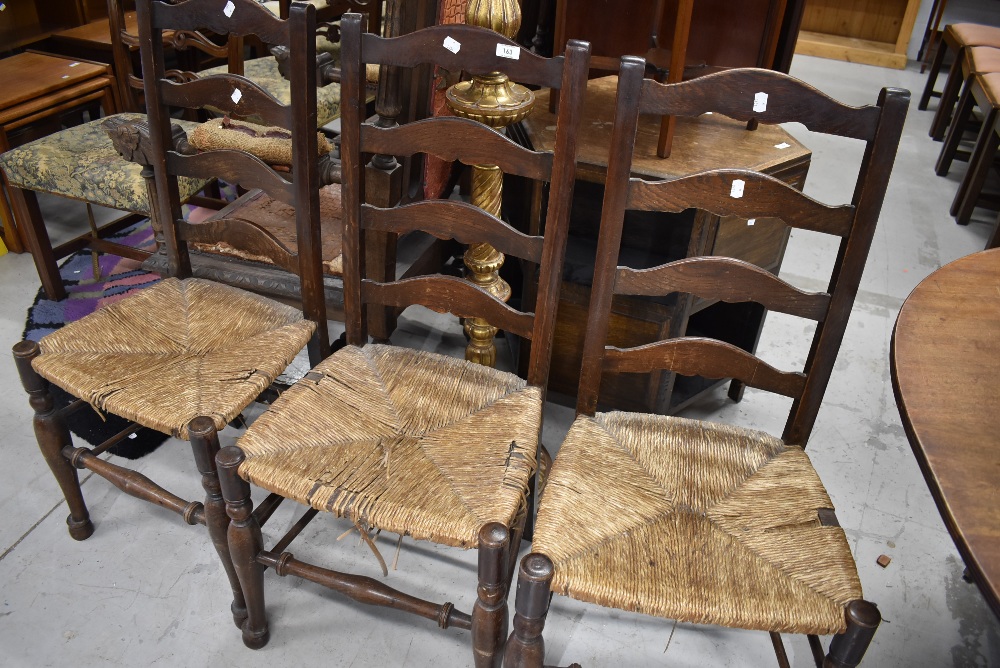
245	543
526	647
205	445
52	435
848	648
489	615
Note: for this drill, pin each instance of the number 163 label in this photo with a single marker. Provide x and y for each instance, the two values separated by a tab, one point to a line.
506	51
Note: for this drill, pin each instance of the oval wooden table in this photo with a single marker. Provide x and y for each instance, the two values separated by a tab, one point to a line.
945	360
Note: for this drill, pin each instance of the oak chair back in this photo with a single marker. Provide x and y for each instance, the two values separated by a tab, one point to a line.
172	156
746	95
471	143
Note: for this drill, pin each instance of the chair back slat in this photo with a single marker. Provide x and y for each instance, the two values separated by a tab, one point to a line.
743	193
462	222
223	18
456	139
766	96
235	167
459	47
725	279
254	240
230	94
450	138
448	294
697	356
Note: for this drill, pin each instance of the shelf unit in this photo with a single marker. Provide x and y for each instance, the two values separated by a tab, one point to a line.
872	32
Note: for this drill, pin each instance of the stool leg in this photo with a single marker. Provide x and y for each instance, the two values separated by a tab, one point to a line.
955	131
949	95
979	168
37	237
932	76
848	648
489	615
526	647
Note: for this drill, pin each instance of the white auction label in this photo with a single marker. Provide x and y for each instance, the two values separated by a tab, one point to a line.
737	190
782	146
229	9
237	96
2	6
507	51
751	221
452	45
73	64
760	102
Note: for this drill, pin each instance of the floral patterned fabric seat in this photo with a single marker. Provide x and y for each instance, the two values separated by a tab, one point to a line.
264	72
81	163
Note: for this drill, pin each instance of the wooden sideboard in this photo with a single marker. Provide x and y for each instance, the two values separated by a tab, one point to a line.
705	142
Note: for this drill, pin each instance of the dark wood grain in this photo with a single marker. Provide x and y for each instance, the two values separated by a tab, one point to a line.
788	100
249	19
944	358
724	279
476	55
216	92
763	196
235	167
252	239
447	219
448	294
451	138
695	356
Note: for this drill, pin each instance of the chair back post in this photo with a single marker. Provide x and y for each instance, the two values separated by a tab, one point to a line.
575	68
351	110
626	123
302	21
873	180
167	197
122	57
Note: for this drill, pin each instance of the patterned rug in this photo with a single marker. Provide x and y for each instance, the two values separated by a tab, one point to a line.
119	277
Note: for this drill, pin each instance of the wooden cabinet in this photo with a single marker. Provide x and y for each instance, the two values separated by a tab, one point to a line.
25	21
873	32
706	142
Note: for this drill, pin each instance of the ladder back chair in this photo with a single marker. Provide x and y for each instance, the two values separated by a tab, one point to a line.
80	162
408	441
693	520
186	356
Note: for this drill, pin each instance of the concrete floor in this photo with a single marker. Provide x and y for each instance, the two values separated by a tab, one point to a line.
146	588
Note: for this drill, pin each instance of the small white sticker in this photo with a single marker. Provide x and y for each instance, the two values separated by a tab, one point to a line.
708	113
760	102
65	76
505	51
73	64
133	435
751	221
236	96
2	6
229	9
736	191
782	146
452	45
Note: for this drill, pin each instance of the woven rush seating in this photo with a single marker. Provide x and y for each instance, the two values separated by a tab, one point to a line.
713	524
694	520
235	344
408	441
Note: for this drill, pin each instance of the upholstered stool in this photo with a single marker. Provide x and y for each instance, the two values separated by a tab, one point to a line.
957	38
37	86
983	91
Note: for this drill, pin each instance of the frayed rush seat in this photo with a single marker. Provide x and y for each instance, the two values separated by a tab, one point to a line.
694	521
264	72
175	351
81	163
407	441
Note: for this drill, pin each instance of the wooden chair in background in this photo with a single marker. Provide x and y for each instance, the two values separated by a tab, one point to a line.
693	520
958	38
446	448
187	355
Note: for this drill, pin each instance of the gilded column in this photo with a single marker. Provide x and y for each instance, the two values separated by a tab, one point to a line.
491	99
